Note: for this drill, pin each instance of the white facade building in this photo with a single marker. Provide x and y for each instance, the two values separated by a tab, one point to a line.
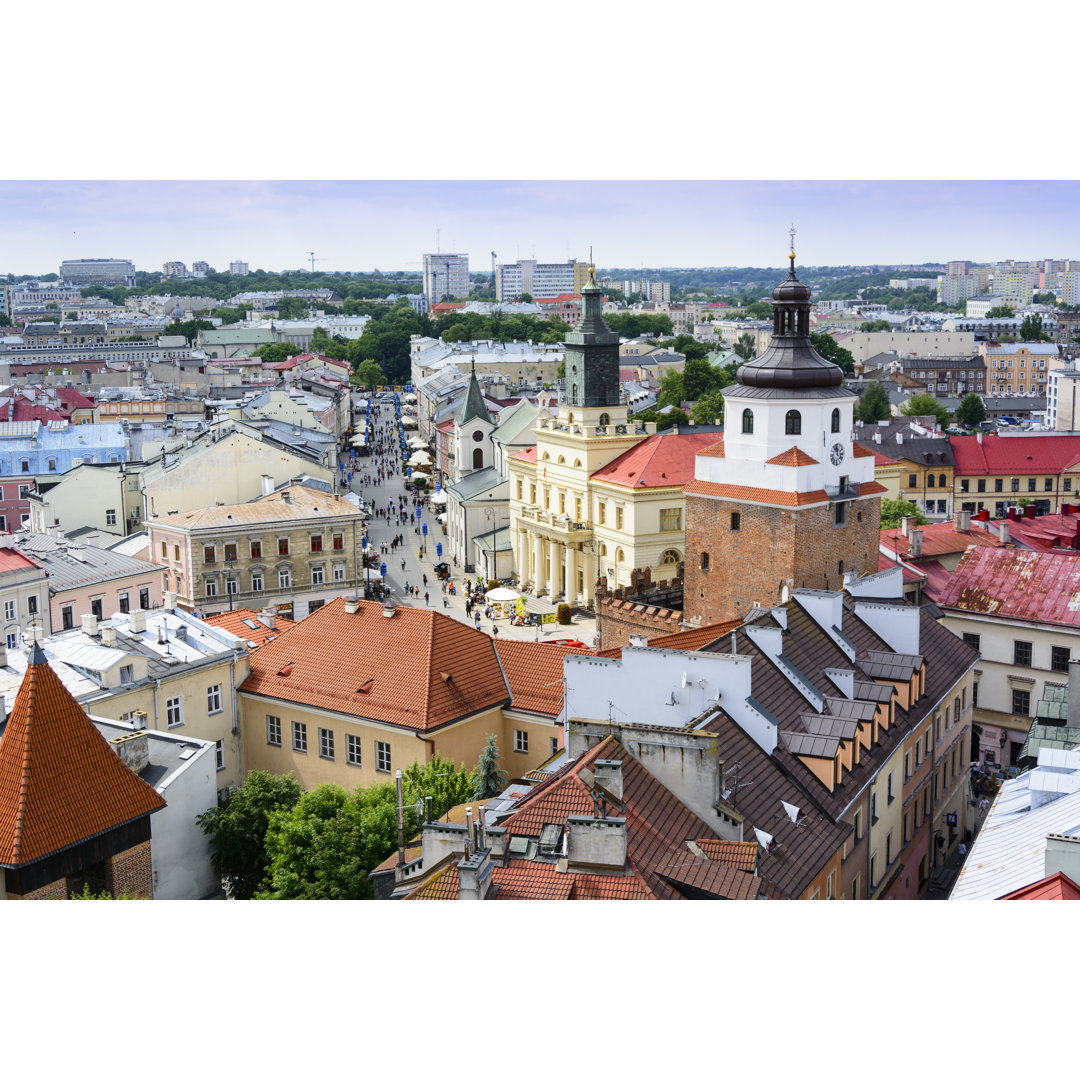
446	275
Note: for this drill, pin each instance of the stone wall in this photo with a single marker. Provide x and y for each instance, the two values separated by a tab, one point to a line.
638	608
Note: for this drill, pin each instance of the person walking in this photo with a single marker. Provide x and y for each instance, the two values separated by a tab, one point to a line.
427	599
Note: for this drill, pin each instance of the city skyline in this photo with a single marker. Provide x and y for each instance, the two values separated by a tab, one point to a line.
389	225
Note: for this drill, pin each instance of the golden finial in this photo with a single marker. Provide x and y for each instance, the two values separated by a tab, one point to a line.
791	234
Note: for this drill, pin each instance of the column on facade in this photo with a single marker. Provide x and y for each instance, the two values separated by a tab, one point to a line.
588	565
539	577
521	555
570	574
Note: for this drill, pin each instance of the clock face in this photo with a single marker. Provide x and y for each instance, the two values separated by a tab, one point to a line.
836	455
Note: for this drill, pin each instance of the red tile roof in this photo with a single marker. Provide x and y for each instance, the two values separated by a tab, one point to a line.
1019	455
10	559
418	670
60	782
939	538
858	450
522	880
691	640
1058	887
1038	586
658	461
257	635
716	450
937	578
793	457
767	496
534	671
528	455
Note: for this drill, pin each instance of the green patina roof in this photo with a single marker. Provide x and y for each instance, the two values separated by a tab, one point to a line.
236	337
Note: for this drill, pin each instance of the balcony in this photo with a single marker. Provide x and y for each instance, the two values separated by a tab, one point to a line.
559	525
842	492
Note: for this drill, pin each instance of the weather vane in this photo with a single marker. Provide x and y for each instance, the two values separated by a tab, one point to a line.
791	233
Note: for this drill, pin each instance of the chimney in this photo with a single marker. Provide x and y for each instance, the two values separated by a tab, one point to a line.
138	720
978	435
608	774
267	484
474	876
596	843
1062	856
268	617
89	625
1029	512
906	524
877	437
133	750
170	601
963	521
639	641
108	637
286	496
915	543
899	438
137	621
3	654
1003	532
352	606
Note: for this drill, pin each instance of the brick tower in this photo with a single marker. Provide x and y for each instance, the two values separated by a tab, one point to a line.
788	500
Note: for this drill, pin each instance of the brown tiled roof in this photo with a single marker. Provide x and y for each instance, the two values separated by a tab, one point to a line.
60	782
520	879
535	673
691	640
794	457
716	450
738	854
858	450
418	669
767	496
256	635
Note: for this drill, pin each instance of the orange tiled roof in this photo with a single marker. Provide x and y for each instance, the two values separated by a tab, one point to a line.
794	457
872	487
520	879
768	496
534	671
740	855
858	450
692	640
60	782
716	450
658	461
528	455
256	635
417	670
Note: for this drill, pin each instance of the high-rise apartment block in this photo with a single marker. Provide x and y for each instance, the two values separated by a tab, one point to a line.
238	268
956	288
446	275
174	269
958	266
200	268
98	272
539	280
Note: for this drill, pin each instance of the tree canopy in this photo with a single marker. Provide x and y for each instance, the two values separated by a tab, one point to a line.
893	512
971	410
873	405
1031	329
189	330
1001	311
926	405
827	347
634	324
745	347
276	353
873	325
490	779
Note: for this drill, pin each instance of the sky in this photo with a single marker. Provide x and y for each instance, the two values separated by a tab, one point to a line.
390	224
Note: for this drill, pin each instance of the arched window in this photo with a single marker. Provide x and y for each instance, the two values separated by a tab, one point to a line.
546	457
478	458
704	560
747	422
569	418
836	420
669	558
929	479
941	480
577	463
561	461
793	424
619	555
604	420
603	551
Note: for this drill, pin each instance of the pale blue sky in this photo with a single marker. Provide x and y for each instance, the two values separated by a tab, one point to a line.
388	224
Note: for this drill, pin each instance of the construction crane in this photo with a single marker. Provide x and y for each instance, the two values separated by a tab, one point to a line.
311	254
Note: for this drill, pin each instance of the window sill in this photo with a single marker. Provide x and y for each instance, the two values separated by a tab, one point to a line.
516	751
274	744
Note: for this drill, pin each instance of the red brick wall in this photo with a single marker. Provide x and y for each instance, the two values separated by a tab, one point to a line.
638	608
130	872
55	890
774	546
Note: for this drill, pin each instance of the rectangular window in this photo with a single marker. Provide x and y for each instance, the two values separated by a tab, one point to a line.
999	484
232	586
256	549
554	747
9	609
110	517
521	742
601	512
1066	484
127	674
256	582
338	541
577	509
1021	703
174	711
13	641
273	730
926	743
840	513
68	616
1048	484
213	698
891	794
284	578
964	486
1022	653
912	480
176	552
164	550
1031	483
619	517
318	575
520	491
339	572
1059	658
382	757
352	749
315	542
125	604
671	519
736	521
888	849
326	744
299	737
858	824
873	807
219	754
974	640
283	546
209	553
230	553
211	586
981	485
532	494
907	765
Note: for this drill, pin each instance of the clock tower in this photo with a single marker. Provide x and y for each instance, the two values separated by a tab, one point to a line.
788	499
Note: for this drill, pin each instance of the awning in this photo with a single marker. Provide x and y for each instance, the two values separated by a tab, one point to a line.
537	605
438	497
501	594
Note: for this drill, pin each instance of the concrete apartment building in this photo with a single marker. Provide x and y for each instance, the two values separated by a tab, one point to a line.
539	279
239	268
446	275
296	548
98	272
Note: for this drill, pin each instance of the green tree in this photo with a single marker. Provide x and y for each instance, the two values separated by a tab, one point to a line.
490	779
759	309
744	347
671	390
826	347
293	307
190	329
1001	311
237	830
1047	298
925	405
369	374
893	511
4	320
526	298
873	325
873	405
1031	329
88	894
971	410
709	409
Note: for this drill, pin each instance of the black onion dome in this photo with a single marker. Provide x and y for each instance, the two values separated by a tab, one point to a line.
790	362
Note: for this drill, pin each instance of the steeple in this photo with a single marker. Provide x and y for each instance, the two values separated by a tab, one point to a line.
474	406
790	362
592	354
